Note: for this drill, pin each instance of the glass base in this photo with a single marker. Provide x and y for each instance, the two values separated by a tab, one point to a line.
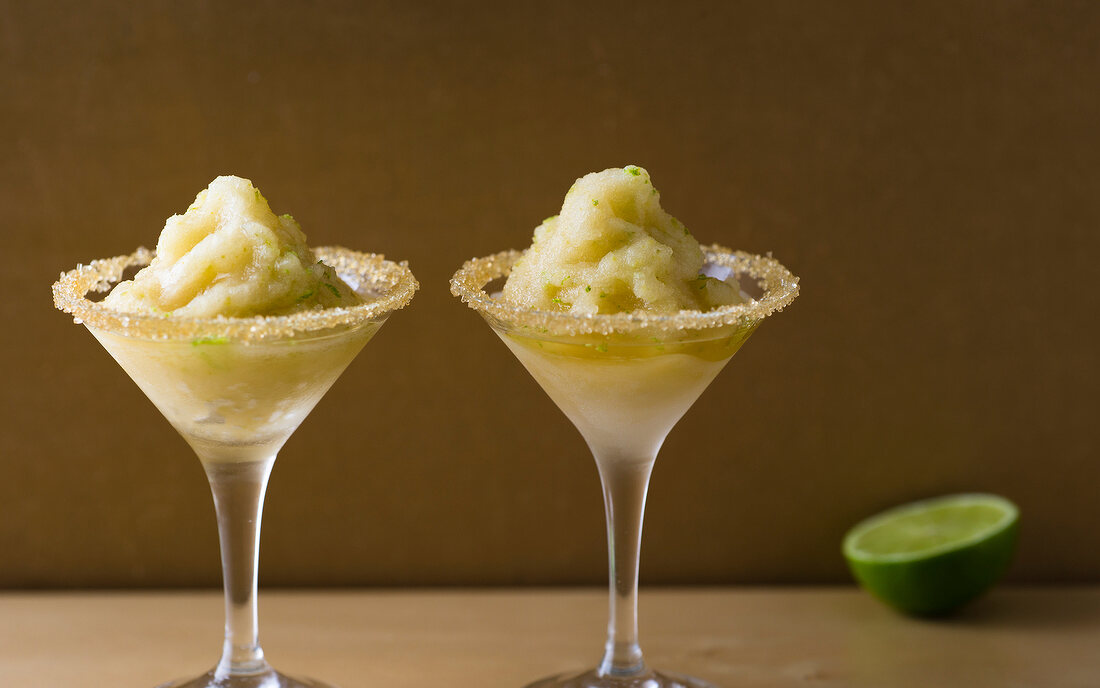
267	679
650	679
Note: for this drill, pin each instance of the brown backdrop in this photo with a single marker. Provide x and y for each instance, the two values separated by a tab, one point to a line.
930	170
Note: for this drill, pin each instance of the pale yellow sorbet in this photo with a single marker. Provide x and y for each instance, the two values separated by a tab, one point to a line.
230	255
613	249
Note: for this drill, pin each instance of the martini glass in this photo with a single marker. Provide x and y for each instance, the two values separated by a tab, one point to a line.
624	380
235	389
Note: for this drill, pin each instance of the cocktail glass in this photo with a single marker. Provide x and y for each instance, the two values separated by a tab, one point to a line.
624	380
235	389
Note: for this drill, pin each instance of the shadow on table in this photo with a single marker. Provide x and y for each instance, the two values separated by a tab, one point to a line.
1040	608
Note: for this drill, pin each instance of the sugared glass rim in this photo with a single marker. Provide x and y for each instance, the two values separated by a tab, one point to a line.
393	283
779	285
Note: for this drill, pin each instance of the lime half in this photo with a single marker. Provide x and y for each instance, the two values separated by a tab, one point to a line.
929	557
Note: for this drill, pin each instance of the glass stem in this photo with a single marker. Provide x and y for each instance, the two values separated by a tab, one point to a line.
238	488
625	483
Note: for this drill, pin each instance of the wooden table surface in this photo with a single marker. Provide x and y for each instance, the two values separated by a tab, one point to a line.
751	637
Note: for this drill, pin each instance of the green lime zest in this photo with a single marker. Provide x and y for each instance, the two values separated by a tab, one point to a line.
633	169
214	339
334	290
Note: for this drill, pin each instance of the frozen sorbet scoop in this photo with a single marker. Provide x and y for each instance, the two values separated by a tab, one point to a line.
614	249
230	255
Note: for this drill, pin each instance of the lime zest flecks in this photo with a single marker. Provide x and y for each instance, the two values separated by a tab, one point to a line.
214	339
632	169
334	290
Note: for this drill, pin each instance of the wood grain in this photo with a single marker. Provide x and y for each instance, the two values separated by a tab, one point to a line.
737	638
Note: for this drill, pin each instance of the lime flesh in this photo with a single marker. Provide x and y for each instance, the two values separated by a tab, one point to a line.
930	557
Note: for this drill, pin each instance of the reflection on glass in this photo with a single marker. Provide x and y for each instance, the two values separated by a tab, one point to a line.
624	380
235	389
